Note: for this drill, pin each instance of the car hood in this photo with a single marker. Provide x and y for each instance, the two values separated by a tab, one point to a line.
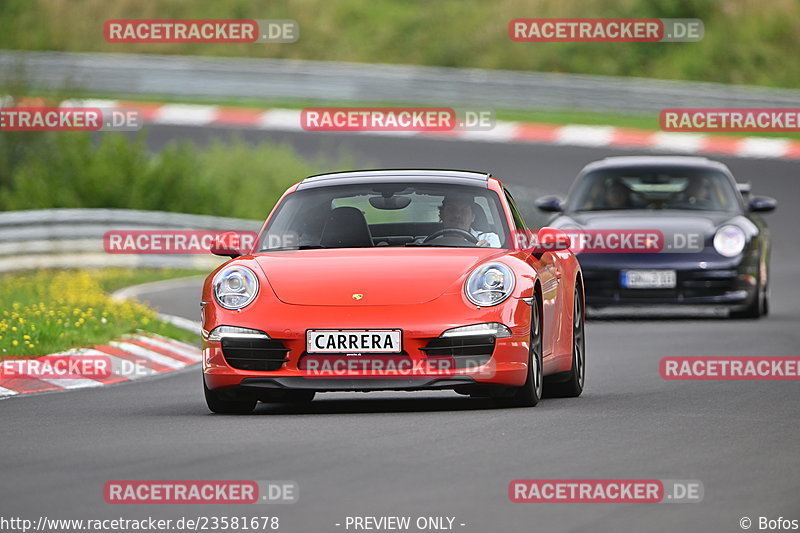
381	276
672	224
705	222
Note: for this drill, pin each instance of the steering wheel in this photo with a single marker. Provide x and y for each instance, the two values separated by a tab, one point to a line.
460	232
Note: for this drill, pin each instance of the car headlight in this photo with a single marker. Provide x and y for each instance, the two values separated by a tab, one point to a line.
235	332
489	284
235	287
729	241
496	329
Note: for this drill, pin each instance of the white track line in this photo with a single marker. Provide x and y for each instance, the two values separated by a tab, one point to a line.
755	147
575	135
148	354
7	392
678	142
120	365
183	114
192	353
280	119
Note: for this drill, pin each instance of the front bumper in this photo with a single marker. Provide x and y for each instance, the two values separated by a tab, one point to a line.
701	280
283	364
361	385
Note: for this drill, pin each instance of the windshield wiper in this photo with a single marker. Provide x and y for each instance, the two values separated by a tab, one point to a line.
436	245
293	248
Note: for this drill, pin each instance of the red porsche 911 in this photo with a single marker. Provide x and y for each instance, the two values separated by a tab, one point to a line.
394	280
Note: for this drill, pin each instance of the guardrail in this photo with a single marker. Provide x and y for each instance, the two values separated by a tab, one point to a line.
226	77
73	238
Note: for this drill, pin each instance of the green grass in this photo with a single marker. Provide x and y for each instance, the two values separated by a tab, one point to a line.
745	42
50	311
112	279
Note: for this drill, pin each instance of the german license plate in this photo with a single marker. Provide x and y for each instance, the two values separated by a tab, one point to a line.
354	341
648	279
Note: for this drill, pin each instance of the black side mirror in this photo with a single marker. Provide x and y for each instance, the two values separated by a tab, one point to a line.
762	204
550	204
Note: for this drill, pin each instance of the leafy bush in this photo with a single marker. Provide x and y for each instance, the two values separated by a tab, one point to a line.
48	170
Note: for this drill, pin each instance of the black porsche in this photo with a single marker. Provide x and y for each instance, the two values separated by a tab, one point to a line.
682	198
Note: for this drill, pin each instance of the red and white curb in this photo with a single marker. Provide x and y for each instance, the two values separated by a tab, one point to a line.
149	353
515	132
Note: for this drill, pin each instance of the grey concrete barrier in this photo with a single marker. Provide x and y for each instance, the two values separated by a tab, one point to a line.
73	238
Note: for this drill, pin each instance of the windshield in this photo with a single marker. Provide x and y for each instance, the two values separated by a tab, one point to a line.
652	188
386	214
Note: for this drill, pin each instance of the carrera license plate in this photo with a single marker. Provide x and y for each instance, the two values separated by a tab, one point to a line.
353	341
648	279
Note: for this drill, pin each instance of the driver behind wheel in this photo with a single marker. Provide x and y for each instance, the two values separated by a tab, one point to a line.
459	212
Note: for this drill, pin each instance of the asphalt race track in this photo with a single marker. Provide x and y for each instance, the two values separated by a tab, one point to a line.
440	454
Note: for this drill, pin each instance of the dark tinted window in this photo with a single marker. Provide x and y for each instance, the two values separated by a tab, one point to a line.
677	188
387	214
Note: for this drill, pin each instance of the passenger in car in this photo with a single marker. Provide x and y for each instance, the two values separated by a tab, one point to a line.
617	196
698	194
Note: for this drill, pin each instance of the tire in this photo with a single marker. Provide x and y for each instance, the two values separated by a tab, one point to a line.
758	307
228	402
529	394
572	385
